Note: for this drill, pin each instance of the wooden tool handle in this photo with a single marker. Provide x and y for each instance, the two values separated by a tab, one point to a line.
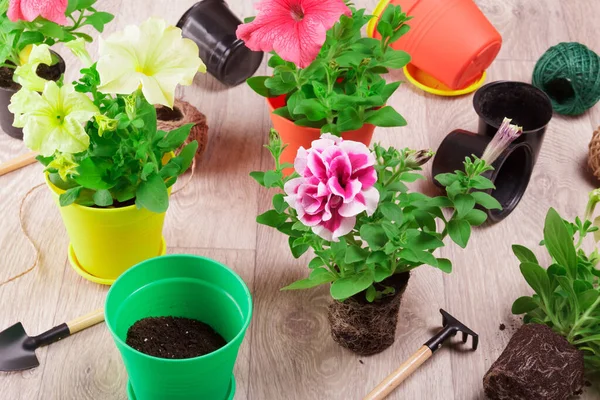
18	162
81	323
390	383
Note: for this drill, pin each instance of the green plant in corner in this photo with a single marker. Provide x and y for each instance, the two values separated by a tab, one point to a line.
567	293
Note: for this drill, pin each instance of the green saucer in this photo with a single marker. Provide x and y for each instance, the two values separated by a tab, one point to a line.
230	395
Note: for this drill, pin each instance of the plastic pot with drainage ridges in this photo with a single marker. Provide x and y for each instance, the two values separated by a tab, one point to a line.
186	286
212	26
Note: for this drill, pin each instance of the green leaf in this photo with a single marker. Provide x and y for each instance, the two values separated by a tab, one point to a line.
446	179
384	28
537	278
98	20
30	38
349	286
559	243
152	194
374	235
424	241
395	59
271	218
91	172
103	198
51	29
587	298
411	177
293	101
271	178
279	203
69	196
355	254
316	262
72	6
388	90
278	86
463	203
318	277
148	169
487	201
312	108
175	138
297	249
83	4
476	217
259	177
392	212
481	183
444	265
385	117
459	231
349	120
524	305
524	254
257	83
186	156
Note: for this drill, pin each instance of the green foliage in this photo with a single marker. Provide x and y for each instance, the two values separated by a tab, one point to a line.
401	235
567	293
15	36
343	88
129	160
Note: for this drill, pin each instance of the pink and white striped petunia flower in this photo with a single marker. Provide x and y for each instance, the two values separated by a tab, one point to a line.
336	183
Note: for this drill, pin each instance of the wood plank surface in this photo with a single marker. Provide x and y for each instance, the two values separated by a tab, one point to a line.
288	352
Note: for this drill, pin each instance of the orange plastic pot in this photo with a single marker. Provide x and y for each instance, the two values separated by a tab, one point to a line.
301	136
451	40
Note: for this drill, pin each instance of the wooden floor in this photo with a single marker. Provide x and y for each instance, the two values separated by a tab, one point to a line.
288	353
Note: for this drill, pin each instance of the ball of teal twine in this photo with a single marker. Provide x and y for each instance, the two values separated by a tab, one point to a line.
570	74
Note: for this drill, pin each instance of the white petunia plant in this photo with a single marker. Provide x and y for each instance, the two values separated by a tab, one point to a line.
98	137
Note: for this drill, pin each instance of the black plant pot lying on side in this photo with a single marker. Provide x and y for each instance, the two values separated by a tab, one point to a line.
8	88
528	107
368	328
536	364
212	26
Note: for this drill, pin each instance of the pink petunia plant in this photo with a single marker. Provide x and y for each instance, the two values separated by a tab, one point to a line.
29	10
295	29
329	75
336	183
353	207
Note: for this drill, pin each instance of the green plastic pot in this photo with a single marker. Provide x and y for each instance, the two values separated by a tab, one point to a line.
181	286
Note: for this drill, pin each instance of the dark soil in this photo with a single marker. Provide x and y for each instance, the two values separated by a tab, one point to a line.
525	106
368	328
502	327
173	337
536	364
51	73
167	114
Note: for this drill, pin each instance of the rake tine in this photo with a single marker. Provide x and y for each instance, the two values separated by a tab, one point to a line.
464	337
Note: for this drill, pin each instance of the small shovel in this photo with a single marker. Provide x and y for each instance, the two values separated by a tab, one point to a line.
451	327
17	350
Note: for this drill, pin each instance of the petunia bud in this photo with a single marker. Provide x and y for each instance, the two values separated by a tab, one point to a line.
594	198
506	134
64	164
415	159
105	124
131	105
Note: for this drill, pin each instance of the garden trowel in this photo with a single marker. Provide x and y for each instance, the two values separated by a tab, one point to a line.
17	350
451	326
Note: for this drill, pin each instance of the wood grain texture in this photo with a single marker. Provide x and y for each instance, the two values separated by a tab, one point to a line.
288	352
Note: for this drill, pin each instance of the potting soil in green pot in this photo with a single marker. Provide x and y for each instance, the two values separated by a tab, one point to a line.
185	286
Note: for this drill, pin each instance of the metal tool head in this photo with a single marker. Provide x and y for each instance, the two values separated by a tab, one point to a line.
17	350
451	327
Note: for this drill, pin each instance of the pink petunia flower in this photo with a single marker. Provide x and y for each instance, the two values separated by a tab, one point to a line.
336	183
28	10
295	29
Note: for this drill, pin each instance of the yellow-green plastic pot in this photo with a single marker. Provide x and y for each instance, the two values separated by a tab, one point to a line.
108	241
187	286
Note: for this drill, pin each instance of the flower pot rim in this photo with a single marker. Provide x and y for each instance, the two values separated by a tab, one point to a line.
208	356
58	191
487	86
190	10
61	62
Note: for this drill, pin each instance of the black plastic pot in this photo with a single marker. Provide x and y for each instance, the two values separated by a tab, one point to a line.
525	104
6	117
511	174
212	26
